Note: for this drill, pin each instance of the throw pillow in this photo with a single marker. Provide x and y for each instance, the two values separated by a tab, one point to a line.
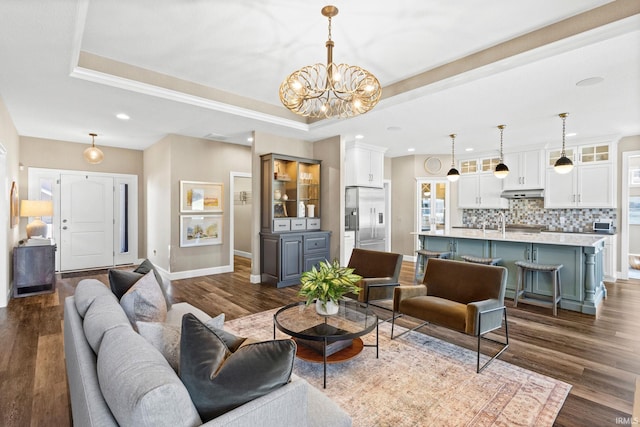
220	380
121	280
148	266
144	301
166	337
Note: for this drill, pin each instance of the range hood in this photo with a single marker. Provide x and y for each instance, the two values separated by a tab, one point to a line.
523	194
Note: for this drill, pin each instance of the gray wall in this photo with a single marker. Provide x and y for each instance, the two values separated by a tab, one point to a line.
242	214
631	143
331	152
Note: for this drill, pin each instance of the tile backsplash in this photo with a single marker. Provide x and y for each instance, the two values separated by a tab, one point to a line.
532	212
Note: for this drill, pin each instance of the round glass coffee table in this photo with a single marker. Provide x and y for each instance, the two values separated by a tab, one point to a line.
327	339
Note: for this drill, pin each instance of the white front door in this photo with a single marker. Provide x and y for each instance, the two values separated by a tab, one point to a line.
86	229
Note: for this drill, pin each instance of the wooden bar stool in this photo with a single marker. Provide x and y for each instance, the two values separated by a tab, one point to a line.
423	258
554	269
480	260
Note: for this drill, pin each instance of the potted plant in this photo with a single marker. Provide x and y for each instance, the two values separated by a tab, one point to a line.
327	284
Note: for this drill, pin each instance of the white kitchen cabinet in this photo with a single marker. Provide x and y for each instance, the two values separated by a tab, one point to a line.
480	191
591	183
364	165
525	170
609	258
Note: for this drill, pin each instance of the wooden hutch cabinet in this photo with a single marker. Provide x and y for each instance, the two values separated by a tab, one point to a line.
291	241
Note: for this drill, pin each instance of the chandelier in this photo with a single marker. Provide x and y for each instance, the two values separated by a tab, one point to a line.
93	154
331	90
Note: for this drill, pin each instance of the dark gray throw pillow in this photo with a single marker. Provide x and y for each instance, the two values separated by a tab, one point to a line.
219	379
121	280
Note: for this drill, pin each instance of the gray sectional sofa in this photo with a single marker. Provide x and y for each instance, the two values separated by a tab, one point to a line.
117	378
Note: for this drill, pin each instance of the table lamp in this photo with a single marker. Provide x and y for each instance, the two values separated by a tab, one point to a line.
37	209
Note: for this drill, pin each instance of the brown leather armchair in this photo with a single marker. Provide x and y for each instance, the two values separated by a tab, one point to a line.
380	273
462	296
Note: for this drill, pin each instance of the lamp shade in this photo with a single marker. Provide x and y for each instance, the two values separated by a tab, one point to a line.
36	208
453	175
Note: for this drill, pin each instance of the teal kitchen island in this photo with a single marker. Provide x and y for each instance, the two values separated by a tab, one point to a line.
581	255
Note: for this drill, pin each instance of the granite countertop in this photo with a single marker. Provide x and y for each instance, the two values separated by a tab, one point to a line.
545	237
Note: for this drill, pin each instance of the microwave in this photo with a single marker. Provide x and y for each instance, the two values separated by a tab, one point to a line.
603	226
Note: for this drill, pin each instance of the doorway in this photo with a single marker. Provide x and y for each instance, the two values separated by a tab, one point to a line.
242	207
433	205
95	216
630	216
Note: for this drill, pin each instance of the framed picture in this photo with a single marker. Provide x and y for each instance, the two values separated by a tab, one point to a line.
200	230
204	197
14	205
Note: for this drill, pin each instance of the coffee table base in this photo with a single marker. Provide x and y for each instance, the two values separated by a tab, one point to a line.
310	355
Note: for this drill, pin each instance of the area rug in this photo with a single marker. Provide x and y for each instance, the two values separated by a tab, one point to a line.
419	380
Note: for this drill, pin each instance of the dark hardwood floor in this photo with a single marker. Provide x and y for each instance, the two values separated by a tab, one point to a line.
600	356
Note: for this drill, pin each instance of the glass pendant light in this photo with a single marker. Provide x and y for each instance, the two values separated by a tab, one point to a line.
563	164
93	154
501	169
453	175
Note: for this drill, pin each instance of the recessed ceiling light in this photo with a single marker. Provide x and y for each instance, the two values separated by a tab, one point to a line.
123	116
411	149
394	128
359	136
590	81
468	149
571	134
250	139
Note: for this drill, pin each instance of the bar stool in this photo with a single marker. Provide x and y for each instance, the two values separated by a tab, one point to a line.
554	269
480	260
423	258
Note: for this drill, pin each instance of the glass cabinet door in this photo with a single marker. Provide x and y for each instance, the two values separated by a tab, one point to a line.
432	204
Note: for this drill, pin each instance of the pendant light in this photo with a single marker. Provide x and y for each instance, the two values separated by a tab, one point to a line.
501	169
93	154
563	164
453	175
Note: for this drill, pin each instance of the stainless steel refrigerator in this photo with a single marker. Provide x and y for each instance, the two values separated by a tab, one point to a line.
365	214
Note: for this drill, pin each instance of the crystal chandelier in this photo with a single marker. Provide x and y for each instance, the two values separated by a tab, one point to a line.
501	169
331	90
563	164
93	154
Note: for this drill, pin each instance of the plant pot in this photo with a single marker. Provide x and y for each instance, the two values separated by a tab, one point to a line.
327	309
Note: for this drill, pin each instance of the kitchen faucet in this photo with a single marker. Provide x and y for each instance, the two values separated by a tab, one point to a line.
502	221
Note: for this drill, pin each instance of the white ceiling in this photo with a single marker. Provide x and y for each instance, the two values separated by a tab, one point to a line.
218	65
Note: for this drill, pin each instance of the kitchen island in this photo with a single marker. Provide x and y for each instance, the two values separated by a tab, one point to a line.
581	256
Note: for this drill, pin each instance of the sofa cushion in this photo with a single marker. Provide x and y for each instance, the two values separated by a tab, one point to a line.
86	291
439	311
144	301
166	337
219	380
104	314
175	313
121	280
138	384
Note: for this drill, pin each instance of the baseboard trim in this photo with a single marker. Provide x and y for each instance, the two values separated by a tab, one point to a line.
255	278
409	258
188	274
242	254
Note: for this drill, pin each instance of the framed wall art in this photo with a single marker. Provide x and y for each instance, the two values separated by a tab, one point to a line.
200	230
201	197
14	204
